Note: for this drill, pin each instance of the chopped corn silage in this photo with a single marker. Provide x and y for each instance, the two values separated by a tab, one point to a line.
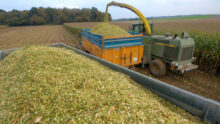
56	85
108	30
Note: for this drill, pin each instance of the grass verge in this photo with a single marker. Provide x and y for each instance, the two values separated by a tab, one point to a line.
75	30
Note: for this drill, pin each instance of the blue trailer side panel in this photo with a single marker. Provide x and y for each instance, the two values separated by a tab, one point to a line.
112	42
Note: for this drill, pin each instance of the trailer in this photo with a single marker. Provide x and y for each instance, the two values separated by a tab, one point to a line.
122	50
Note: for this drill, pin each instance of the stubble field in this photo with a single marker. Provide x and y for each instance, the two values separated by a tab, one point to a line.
14	37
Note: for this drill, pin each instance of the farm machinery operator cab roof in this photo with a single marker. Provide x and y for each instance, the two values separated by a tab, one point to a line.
138	28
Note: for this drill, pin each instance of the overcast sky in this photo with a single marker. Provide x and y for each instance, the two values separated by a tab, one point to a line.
147	7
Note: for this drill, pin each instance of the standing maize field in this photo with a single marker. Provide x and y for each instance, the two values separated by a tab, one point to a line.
207	51
206	34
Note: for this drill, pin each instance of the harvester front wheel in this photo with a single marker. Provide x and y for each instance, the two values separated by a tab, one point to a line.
157	67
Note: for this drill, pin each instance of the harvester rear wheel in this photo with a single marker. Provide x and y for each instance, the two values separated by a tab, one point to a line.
157	67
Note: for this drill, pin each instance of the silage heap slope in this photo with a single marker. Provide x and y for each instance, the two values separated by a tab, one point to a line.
56	85
108	30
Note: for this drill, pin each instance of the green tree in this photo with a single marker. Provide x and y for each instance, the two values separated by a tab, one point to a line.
1	10
62	17
37	20
94	12
42	12
38	16
85	15
1	17
33	11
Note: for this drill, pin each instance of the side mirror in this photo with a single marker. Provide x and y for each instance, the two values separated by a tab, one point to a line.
174	36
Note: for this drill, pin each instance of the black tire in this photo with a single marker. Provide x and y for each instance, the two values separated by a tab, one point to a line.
218	71
157	68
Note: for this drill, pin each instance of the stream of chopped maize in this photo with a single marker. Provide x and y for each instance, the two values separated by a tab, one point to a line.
40	84
108	30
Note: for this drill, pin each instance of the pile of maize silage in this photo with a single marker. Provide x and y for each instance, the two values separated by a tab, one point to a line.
108	30
56	85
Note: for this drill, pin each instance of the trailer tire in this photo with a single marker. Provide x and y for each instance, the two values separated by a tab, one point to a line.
157	68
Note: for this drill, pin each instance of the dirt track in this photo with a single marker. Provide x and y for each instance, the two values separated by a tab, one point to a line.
196	81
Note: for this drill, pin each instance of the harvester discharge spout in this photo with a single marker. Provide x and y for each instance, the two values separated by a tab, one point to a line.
133	9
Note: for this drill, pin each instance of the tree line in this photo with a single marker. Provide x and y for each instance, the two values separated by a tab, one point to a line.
40	16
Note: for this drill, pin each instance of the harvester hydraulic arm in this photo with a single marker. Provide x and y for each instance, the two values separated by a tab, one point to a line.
136	11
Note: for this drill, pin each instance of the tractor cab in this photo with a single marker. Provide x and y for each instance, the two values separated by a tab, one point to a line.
138	28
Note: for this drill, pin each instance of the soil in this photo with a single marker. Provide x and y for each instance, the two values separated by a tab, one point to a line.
14	37
196	81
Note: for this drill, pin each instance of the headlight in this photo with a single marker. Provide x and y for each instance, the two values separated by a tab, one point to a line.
174	63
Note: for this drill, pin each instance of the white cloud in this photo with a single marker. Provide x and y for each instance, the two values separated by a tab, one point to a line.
66	6
175	1
161	1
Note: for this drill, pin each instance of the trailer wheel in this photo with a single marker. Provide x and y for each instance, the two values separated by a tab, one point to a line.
157	67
